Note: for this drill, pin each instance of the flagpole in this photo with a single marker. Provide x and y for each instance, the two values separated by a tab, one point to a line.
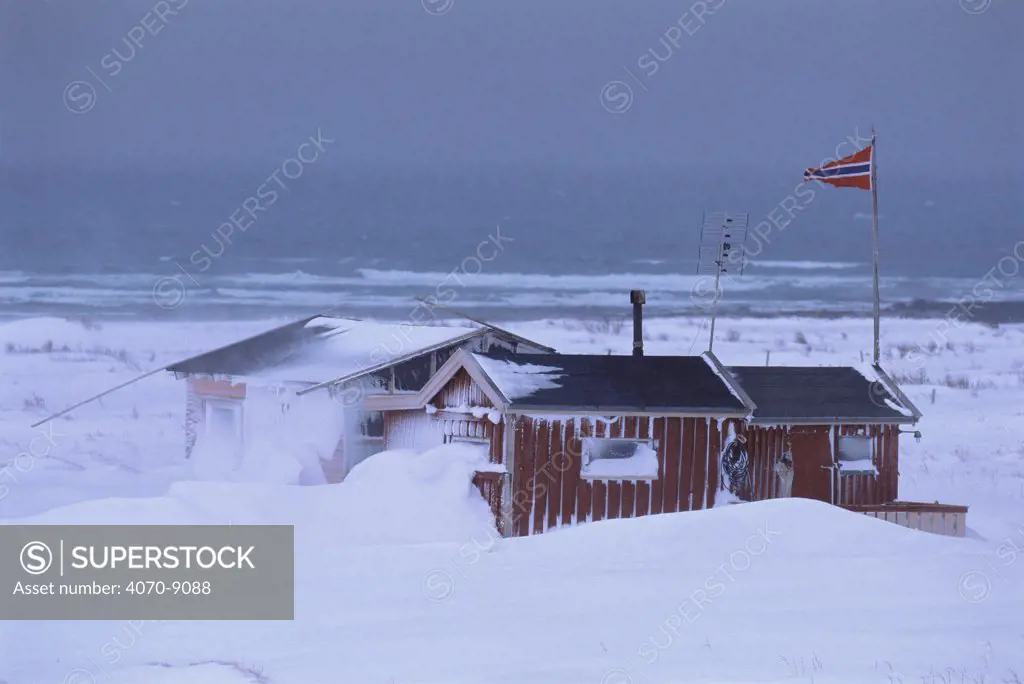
874	233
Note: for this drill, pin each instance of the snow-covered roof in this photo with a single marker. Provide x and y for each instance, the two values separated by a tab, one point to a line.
348	347
880	389
515	380
322	348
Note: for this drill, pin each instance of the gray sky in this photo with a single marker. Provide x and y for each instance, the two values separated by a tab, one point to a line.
772	84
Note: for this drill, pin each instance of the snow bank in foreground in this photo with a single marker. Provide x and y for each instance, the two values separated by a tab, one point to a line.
192	673
394	497
787	590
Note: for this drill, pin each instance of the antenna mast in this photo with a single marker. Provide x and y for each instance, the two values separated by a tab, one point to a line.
722	238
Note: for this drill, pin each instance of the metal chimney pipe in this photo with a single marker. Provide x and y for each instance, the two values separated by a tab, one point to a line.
638	299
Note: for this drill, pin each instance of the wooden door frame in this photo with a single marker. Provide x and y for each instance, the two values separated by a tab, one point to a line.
824	460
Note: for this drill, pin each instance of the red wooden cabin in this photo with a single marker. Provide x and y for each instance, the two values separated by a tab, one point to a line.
841	425
577	437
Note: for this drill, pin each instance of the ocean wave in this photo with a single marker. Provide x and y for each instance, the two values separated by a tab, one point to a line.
368	290
805	265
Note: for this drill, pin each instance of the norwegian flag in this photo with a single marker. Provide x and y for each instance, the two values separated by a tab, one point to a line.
854	171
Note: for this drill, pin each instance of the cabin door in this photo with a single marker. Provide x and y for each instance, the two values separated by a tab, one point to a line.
812	463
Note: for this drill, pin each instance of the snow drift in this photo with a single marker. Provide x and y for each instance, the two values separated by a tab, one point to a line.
394	497
400	577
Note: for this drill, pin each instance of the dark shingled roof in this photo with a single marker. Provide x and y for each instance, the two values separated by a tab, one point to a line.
620	384
809	394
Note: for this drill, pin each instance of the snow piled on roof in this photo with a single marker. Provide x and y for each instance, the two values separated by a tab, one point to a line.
518	380
877	385
727	381
867	370
349	346
902	410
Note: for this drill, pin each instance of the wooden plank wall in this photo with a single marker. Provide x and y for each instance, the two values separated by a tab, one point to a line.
490	486
765	446
939	521
867	488
461	391
549	491
217	388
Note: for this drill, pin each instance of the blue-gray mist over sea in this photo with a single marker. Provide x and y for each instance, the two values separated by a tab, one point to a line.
536	158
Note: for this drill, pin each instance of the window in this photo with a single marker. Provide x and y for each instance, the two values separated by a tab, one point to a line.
412	375
469	440
442	355
855	455
378	382
371	426
482	444
223	419
223	431
619	459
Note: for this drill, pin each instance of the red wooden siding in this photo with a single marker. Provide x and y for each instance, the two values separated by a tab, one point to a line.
490	486
658	486
701	459
643	487
541	476
548	489
524	483
673	455
570	450
217	388
872	489
629	489
584	492
613	430
687	465
766	445
714	465
557	446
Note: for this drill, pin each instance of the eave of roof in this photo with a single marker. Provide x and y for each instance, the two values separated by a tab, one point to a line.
393	362
631	410
831	420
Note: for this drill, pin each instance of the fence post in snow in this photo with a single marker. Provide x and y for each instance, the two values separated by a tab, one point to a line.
767	356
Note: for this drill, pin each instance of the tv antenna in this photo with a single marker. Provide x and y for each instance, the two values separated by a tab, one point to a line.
722	238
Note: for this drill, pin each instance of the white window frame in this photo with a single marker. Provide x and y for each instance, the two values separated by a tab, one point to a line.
234	406
483	441
871	455
586	443
367	439
475	441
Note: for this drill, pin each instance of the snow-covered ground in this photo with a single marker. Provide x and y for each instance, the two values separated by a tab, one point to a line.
769	592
